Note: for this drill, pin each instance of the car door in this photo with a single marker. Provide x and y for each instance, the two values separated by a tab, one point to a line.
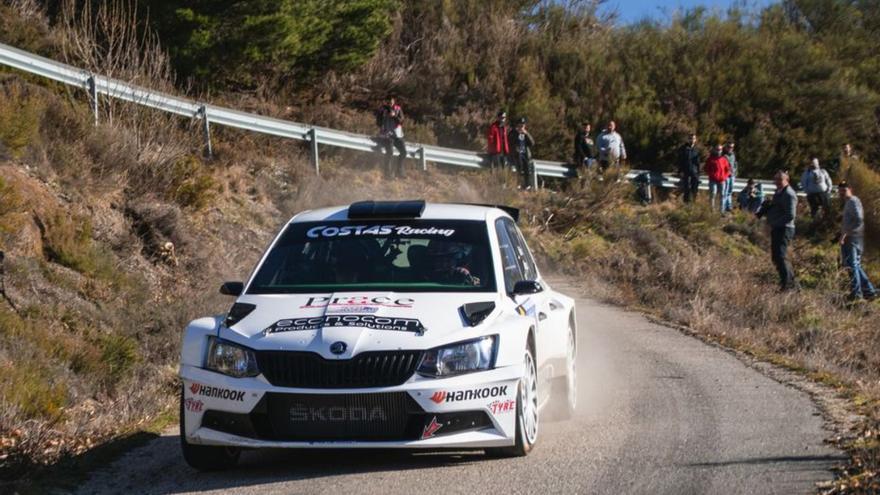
518	266
551	314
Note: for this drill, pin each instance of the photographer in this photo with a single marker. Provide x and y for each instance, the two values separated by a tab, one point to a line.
584	148
780	212
389	119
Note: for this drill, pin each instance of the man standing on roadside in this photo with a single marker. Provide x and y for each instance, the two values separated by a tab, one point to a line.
521	144
689	168
780	214
852	244
498	147
718	171
730	155
816	182
389	119
584	147
611	148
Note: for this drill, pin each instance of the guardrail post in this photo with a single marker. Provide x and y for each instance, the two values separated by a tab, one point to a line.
206	130
534	177
313	140
93	96
422	158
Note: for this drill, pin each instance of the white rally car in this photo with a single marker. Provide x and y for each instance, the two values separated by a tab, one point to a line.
381	324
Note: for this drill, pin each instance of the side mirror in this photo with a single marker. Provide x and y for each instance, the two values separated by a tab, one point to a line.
232	288
525	287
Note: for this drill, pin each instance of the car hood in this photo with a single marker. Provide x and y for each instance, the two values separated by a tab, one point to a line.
363	321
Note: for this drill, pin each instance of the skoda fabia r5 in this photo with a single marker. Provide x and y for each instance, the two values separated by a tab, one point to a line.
381	325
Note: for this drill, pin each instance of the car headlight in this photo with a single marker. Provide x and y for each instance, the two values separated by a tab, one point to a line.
230	359
458	358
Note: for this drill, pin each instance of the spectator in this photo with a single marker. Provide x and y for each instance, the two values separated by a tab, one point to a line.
844	162
689	168
718	171
730	154
498	147
389	119
780	212
521	144
611	148
816	182
584	147
751	196
852	244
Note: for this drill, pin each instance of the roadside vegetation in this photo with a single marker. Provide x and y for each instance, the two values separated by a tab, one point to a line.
94	299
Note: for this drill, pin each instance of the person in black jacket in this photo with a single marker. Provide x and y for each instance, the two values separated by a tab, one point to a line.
389	120
584	147
689	168
521	144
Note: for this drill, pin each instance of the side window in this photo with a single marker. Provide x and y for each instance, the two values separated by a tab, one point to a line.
524	257
509	262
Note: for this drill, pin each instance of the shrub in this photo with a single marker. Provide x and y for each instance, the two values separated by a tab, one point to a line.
192	186
20	114
68	241
29	388
118	354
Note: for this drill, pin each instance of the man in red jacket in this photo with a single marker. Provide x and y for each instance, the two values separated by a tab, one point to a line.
498	147
718	170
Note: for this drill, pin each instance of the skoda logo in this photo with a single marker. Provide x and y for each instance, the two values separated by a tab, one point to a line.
338	347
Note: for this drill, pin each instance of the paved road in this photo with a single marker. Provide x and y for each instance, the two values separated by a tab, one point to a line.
660	413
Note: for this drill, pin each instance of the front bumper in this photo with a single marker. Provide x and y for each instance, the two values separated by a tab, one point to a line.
476	410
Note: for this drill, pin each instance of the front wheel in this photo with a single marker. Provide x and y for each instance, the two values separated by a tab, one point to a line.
206	457
526	411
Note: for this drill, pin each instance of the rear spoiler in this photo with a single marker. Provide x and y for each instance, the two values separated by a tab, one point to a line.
513	212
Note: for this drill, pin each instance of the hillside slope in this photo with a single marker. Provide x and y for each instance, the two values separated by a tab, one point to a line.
94	296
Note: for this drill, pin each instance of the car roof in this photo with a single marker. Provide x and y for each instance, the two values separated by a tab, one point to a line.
432	211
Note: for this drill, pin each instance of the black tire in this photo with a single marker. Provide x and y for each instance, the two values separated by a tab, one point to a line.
206	457
523	445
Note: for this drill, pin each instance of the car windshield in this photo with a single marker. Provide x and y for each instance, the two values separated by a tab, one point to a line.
383	255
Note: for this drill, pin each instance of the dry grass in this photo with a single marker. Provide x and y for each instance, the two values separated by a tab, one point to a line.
688	265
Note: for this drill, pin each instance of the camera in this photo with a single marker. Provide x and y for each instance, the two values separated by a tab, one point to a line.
764	207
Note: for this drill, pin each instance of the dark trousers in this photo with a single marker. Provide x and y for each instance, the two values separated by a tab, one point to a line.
497	160
689	186
817	200
389	143
526	169
780	238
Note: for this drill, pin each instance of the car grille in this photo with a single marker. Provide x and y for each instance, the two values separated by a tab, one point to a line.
344	417
310	370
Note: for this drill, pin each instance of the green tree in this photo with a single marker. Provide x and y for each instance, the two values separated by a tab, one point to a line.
241	43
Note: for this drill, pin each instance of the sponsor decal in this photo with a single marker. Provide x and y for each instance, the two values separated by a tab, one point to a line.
431	428
349	301
216	392
480	393
375	230
331	414
372	322
341	310
193	405
502	406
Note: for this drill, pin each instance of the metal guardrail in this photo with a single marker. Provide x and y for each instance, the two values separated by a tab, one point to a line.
97	85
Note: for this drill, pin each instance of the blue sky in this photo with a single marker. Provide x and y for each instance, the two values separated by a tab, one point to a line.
635	10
